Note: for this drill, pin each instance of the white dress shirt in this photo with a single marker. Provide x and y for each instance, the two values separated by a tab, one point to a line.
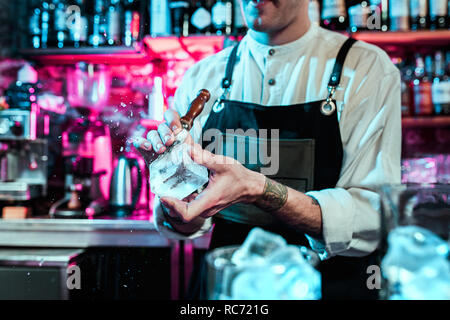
368	104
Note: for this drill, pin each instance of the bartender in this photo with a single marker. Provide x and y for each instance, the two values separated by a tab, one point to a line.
336	104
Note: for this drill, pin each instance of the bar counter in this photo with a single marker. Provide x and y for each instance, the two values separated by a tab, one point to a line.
77	233
35	235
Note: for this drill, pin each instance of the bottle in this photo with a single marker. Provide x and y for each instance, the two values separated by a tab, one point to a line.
34	25
334	15
399	15
160	24
97	37
314	12
438	14
77	23
423	103
59	23
132	22
358	16
441	86
113	17
222	17
200	18
239	26
379	17
418	14
179	12
406	77
45	23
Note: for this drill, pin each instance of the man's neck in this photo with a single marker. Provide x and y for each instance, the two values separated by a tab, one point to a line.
289	34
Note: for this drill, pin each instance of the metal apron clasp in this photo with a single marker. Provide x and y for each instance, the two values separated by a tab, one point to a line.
328	106
219	105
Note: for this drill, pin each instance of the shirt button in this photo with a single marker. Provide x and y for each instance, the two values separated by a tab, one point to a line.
271	82
271	52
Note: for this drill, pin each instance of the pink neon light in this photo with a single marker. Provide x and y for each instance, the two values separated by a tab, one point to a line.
46	125
33	118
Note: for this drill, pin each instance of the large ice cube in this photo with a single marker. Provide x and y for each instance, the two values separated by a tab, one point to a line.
286	275
417	260
255	284
175	174
432	282
257	247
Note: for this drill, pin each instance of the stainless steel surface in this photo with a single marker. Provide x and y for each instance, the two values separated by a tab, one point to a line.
33	262
77	233
121	191
37	257
24	169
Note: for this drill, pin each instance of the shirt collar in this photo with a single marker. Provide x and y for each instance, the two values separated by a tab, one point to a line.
262	50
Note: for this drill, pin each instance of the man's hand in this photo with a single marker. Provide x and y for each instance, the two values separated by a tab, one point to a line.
158	140
229	183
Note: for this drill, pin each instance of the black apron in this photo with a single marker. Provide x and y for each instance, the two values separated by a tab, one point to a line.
310	158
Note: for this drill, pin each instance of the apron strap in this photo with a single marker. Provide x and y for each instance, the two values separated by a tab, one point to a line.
226	82
335	78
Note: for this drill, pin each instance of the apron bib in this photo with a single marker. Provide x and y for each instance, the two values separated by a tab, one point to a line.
310	158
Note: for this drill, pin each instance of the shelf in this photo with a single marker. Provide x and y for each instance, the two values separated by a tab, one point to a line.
437	38
161	48
103	55
426	122
199	47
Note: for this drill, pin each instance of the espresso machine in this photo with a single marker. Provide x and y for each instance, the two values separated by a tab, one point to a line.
23	147
86	145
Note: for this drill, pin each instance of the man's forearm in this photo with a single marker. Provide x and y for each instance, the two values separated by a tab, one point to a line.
292	207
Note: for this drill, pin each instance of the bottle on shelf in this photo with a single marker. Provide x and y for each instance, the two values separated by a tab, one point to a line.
358	16
421	84
418	14
200	18
77	23
34	25
59	23
132	22
314	11
222	17
239	26
438	14
98	35
440	86
160	24
179	12
334	15
379	17
399	15
406	72
45	24
113	35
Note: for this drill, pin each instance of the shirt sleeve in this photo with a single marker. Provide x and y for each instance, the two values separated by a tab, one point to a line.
182	100
371	136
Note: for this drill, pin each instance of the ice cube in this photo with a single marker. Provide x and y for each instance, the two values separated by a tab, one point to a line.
300	281
175	174
287	279
416	258
257	247
285	256
255	284
432	282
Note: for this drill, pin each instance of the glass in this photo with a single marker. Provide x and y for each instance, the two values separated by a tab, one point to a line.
422	205
221	271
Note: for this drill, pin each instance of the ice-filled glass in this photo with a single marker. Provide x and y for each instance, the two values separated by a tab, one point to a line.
263	268
415	241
